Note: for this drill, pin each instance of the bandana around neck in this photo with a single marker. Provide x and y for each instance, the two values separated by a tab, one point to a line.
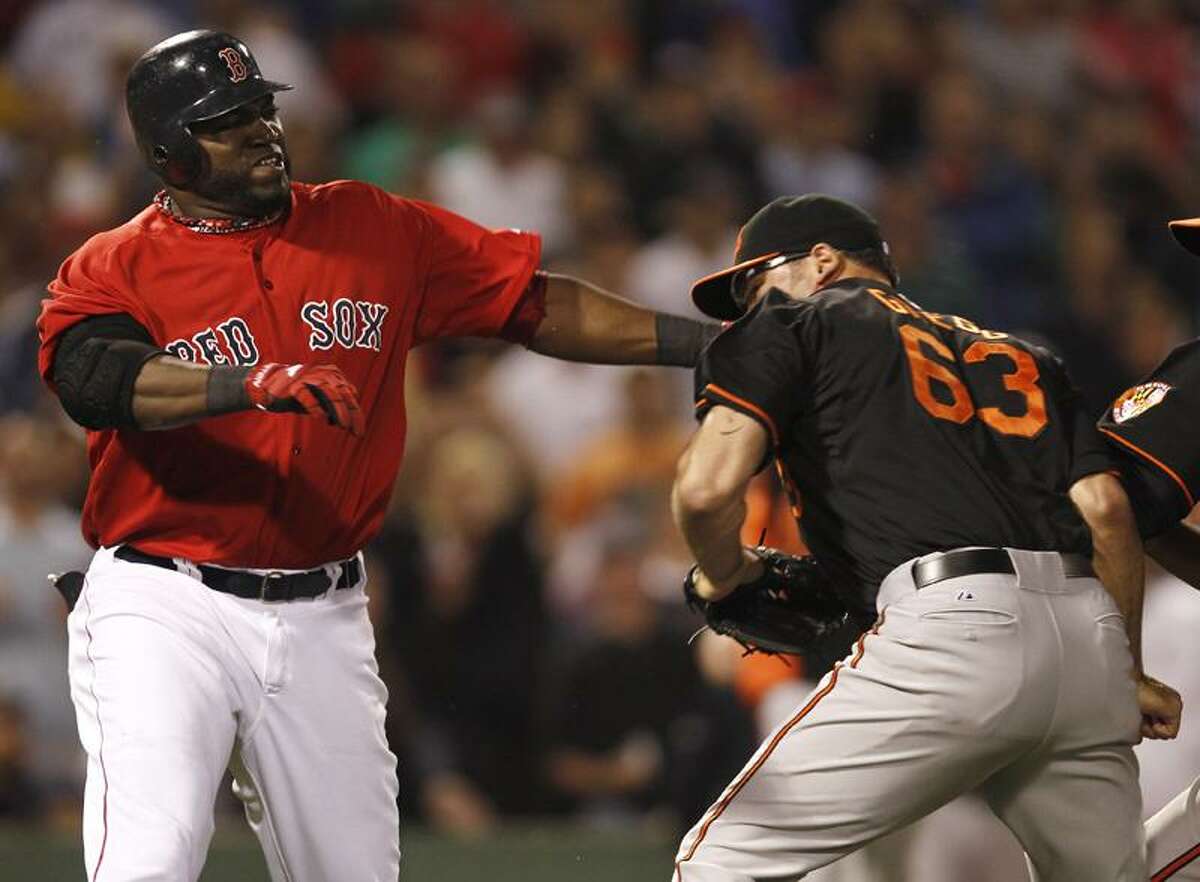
162	200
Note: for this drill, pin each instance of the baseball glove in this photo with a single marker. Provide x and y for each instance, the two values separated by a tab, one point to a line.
785	610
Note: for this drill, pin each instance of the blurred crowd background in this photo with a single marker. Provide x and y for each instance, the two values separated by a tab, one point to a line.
1022	156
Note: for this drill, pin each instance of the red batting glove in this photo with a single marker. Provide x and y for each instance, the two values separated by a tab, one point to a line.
317	389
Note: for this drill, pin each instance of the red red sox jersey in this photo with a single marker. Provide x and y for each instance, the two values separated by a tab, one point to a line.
352	276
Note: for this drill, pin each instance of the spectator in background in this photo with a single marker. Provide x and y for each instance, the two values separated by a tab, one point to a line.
20	797
635	733
1094	261
502	179
807	149
467	629
986	197
553	407
65	51
937	273
875	61
1138	49
39	463
1023	51
701	222
675	129
415	122
625	475
635	459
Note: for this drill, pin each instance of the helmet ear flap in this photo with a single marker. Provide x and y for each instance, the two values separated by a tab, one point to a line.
181	165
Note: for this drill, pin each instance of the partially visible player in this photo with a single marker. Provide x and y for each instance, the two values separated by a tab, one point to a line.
931	462
223	619
1155	427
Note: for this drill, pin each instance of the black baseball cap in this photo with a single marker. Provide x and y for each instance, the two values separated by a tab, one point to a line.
1187	233
787	225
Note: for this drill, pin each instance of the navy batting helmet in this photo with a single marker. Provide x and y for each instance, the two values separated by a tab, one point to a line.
185	79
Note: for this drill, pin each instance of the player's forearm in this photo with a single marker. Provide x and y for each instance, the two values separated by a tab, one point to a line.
586	323
1178	552
708	499
170	392
1118	555
713	533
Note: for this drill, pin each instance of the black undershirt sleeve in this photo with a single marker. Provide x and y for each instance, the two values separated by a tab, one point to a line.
95	367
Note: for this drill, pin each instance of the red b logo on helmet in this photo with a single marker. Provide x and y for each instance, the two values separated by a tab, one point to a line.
237	67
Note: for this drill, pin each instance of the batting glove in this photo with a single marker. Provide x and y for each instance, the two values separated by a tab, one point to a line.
316	389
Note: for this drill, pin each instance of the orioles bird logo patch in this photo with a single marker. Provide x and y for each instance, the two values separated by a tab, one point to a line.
1136	401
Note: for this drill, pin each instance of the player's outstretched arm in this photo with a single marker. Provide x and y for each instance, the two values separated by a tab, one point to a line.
708	498
586	323
1120	563
1178	552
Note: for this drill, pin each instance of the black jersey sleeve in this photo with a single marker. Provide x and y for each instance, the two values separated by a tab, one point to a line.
1090	453
756	365
1153	424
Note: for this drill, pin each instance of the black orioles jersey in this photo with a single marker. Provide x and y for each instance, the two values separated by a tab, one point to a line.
1154	427
901	432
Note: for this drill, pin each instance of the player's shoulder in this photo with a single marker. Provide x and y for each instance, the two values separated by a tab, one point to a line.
339	191
360	197
1174	385
110	249
1182	364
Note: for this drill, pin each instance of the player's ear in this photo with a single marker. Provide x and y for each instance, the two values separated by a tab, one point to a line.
829	263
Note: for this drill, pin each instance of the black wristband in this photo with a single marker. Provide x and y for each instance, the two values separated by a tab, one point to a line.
227	389
681	340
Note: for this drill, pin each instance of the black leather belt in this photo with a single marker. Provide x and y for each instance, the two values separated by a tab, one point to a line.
254	586
974	561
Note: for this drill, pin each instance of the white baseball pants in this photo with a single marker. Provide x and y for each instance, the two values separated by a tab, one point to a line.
172	682
1173	839
1017	687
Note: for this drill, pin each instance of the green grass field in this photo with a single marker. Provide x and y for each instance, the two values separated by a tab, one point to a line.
524	854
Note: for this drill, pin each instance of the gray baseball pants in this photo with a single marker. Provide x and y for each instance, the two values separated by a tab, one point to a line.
1017	687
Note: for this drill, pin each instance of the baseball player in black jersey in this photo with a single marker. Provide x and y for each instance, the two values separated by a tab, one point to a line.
948	476
1153	429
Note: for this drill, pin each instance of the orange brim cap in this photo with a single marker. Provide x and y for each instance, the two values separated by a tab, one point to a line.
712	296
1187	233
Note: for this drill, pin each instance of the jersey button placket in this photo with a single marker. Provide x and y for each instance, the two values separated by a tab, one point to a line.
256	257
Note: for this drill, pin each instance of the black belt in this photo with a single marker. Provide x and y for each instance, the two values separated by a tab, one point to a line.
975	561
254	586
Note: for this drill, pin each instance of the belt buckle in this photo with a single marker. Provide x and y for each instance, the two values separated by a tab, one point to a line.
266	581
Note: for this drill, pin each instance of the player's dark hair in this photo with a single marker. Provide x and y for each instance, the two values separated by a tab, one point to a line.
878	260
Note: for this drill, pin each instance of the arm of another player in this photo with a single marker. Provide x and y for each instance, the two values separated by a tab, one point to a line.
1120	564
585	323
708	498
1178	552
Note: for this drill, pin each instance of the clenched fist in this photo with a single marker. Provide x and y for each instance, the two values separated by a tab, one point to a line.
317	389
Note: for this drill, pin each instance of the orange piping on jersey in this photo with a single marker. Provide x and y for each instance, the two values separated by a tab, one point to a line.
750	406
1176	865
1146	456
736	787
790	489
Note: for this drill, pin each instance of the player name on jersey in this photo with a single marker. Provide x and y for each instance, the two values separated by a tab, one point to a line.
351	324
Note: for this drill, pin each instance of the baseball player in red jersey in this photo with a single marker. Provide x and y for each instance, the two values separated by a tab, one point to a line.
265	323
